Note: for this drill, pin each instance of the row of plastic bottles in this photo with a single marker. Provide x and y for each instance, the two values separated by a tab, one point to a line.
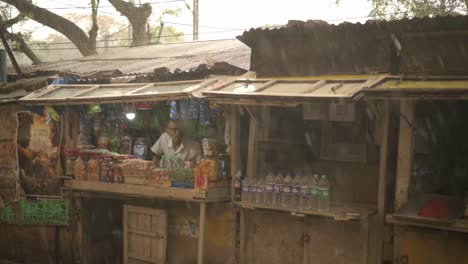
300	192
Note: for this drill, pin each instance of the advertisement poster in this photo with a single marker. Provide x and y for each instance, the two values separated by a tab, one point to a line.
38	141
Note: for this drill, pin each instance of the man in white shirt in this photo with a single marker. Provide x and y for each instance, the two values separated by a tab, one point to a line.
172	144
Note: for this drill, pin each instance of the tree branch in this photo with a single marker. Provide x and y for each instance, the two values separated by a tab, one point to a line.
54	21
10	22
22	46
138	17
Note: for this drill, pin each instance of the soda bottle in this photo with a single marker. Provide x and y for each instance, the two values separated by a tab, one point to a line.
260	192
269	186
313	197
245	190
287	195
304	198
324	194
278	190
253	190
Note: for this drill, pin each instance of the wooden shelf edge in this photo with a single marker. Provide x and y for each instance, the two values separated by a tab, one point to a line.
144	191
356	213
457	226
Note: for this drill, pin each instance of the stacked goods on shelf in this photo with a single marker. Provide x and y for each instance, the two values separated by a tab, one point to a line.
94	168
182	178
135	171
80	168
158	177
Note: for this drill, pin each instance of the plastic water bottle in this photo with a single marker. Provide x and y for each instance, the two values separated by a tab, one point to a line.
296	190
245	190
324	194
173	111
313	197
278	190
260	192
287	195
269	186
253	190
304	198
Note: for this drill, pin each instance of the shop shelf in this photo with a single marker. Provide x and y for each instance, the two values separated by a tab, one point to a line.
215	194
459	225
342	212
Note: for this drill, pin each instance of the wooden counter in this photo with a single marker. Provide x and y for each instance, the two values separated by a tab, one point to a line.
338	212
217	194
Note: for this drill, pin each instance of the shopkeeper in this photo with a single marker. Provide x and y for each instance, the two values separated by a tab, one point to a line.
172	143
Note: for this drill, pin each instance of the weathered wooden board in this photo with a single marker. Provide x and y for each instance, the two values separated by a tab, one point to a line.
336	241
145	235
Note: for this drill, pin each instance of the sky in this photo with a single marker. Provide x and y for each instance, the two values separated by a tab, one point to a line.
222	19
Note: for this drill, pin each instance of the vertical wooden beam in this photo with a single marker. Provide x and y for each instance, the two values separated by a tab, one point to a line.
404	165
235	152
201	234
252	156
405	153
383	175
235	166
125	234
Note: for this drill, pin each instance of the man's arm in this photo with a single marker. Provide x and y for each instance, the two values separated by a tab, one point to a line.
156	159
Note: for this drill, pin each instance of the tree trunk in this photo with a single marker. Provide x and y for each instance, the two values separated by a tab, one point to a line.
138	17
93	32
54	21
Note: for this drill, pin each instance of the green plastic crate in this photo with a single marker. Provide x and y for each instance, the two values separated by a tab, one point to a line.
7	215
45	211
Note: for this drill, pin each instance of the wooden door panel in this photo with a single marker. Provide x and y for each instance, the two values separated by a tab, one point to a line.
145	235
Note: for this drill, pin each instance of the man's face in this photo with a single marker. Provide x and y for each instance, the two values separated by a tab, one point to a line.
173	130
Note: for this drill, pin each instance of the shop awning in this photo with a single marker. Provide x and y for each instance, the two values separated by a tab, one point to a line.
116	93
289	91
429	88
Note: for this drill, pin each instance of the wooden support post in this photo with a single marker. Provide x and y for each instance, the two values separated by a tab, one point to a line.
252	156
236	164
201	234
405	153
383	175
404	165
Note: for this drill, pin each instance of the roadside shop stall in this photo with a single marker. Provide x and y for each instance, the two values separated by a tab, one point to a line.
123	201
308	184
430	189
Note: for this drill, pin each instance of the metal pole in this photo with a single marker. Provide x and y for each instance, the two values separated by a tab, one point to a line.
195	19
10	54
201	233
3	66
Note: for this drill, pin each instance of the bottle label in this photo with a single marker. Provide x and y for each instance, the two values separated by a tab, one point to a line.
277	188
260	190
296	190
253	189
269	188
286	189
314	191
245	188
237	185
323	193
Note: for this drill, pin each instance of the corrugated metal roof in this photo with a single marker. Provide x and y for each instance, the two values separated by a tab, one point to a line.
417	46
183	56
